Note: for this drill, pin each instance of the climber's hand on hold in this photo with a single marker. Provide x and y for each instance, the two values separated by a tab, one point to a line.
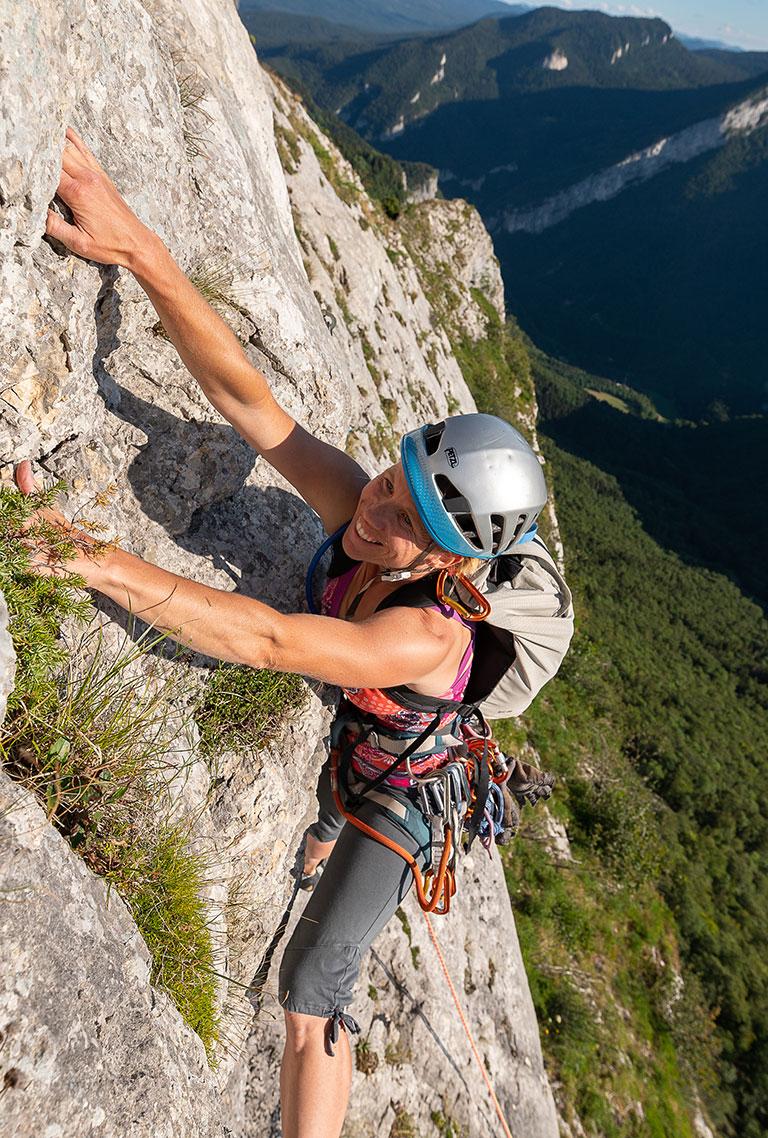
104	229
63	549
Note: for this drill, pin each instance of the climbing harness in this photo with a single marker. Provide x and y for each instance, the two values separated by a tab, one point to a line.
465	798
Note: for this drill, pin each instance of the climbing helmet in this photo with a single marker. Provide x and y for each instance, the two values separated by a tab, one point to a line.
476	483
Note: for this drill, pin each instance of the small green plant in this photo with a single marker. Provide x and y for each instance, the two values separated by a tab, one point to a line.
288	148
403	1125
445	1126
383	441
397	1054
389	407
415	950
244	708
37	605
366	1059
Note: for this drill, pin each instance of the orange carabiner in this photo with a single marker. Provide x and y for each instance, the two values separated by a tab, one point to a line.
455	602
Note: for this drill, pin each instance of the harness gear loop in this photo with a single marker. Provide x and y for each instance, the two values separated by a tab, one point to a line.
434	892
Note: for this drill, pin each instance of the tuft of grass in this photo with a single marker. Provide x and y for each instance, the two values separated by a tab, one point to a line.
214	277
403	1125
397	1054
37	605
366	1059
89	732
163	889
445	1125
197	120
244	708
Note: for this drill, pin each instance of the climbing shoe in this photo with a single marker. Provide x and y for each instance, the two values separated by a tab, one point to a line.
309	880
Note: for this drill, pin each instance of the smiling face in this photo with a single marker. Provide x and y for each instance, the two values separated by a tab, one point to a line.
386	528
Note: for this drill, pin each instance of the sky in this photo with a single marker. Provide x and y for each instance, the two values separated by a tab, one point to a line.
743	23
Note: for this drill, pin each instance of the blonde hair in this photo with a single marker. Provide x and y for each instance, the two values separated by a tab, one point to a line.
467	566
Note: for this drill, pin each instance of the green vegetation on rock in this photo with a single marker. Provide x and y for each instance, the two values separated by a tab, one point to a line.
243	709
90	730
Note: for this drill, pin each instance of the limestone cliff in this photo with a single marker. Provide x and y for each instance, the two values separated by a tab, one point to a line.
700	138
327	300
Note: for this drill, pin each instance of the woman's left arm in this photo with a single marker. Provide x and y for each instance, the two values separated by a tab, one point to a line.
395	646
392	647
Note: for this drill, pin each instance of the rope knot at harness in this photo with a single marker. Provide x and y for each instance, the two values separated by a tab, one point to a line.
337	1018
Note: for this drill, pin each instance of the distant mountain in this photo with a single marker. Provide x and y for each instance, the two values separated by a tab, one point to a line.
622	174
693	43
396	17
381	90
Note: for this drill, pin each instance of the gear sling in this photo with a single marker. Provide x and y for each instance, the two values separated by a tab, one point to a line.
522	613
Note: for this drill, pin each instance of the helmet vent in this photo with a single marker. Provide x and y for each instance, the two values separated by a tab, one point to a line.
432	436
521	527
497	530
453	501
467	527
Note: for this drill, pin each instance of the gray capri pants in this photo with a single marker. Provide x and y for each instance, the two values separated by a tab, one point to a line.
361	887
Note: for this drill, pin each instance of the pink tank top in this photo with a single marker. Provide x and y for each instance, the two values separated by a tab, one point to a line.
367	760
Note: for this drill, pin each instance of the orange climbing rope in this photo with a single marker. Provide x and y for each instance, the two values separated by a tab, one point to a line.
465	1025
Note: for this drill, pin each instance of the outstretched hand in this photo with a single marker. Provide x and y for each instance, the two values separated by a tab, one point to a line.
103	229
55	545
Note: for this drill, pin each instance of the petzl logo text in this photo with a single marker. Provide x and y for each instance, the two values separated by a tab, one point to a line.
453	458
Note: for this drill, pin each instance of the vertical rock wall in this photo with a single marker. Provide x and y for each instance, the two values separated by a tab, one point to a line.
327	301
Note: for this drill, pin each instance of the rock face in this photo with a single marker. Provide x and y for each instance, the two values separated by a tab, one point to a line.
322	291
78	1003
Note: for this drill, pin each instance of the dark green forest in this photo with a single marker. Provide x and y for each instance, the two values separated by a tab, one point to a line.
670	659
664	287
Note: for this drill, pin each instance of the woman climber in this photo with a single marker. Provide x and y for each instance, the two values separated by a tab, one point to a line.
463	492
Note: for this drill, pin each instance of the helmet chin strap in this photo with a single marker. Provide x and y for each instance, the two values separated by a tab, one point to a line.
390	575
407	573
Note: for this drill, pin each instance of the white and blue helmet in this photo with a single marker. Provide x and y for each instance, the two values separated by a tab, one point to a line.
476	483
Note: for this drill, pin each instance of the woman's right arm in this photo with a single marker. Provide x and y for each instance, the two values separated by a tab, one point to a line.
104	229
